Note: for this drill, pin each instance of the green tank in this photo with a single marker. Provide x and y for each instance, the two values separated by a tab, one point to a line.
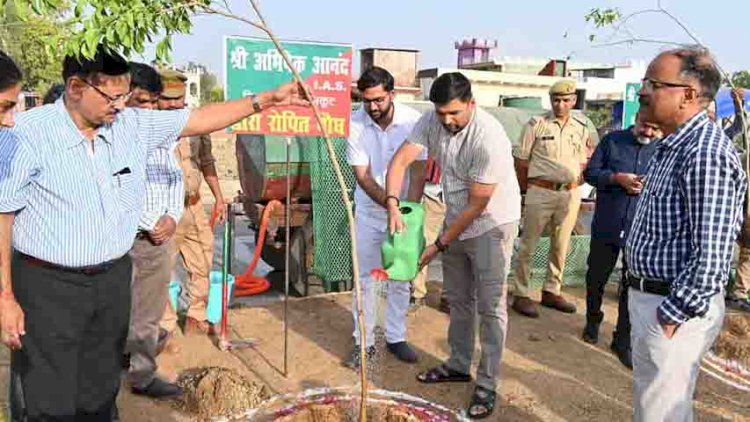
533	103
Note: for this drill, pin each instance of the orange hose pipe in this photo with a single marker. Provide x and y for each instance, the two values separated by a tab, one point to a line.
248	284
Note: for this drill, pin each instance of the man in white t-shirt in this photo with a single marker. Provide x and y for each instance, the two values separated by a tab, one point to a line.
377	130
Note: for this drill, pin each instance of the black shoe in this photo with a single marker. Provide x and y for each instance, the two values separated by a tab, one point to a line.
591	333
353	360
159	388
623	352
403	352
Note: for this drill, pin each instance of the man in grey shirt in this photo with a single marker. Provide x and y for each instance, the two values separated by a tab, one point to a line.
483	207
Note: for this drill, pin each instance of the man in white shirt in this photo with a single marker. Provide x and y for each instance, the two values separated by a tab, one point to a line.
377	130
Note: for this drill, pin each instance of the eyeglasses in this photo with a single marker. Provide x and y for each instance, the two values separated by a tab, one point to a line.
650	84
110	99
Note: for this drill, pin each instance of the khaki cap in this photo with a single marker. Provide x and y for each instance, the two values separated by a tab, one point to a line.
173	83
563	87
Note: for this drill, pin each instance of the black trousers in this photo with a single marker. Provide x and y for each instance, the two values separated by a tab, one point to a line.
76	327
602	260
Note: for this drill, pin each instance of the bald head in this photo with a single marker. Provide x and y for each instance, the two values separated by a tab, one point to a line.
697	65
678	84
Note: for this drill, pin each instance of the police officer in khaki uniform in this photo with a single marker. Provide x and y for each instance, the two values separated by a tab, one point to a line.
549	161
194	238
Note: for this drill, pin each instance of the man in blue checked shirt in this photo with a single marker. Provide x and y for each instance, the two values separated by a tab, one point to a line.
72	189
680	246
152	251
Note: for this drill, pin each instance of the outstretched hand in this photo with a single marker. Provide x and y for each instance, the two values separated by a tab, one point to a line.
290	94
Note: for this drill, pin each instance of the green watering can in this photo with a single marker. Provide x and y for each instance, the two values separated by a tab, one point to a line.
401	251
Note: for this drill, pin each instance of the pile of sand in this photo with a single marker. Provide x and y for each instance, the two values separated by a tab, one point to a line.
213	392
734	340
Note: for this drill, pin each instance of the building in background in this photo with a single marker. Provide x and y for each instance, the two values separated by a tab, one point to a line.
492	89
401	63
473	51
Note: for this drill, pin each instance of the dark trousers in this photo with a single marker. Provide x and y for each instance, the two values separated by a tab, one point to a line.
76	326
602	260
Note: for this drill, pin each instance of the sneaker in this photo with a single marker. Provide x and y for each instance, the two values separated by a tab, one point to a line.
353	360
738	304
403	352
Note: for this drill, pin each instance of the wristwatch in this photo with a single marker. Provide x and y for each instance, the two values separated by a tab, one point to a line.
256	104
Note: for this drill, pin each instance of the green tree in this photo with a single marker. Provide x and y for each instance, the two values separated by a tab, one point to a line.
601	116
208	83
126	26
216	95
35	44
741	79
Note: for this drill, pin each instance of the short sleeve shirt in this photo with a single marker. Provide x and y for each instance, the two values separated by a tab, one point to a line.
555	150
479	153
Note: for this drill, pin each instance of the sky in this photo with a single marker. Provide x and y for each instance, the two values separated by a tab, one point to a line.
542	28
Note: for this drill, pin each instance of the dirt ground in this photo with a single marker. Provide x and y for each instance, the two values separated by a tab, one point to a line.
549	374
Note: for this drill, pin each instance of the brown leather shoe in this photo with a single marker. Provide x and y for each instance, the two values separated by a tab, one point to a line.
193	327
558	303
525	307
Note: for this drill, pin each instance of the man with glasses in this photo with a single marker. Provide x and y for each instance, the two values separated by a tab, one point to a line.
152	251
378	129
679	250
553	152
72	192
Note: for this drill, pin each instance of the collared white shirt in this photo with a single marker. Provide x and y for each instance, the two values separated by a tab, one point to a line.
368	144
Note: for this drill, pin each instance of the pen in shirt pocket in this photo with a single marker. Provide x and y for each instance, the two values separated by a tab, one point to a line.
125	170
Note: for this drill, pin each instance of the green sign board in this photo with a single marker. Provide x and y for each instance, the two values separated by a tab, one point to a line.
630	104
253	65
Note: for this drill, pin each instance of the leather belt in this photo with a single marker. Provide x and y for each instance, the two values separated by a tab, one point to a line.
655	287
87	270
546	184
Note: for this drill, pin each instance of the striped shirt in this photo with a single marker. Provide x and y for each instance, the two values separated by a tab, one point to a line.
77	206
688	218
479	153
165	194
